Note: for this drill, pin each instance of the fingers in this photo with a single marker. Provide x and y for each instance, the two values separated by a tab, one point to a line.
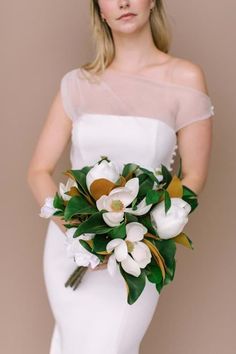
100	266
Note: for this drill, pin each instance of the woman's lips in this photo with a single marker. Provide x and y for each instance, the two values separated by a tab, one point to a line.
126	16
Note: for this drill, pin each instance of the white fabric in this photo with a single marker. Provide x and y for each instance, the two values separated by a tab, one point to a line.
128	118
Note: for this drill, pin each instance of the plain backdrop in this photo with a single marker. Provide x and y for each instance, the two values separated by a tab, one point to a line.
40	42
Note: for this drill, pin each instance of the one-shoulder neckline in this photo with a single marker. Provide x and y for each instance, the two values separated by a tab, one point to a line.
153	81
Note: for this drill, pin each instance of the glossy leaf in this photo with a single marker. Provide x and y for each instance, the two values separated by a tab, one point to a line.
146	221
153	273
58	202
175	188
167	201
118	231
179	173
153	196
167	248
100	242
135	285
78	205
80	178
128	170
157	256
183	239
167	177
94	224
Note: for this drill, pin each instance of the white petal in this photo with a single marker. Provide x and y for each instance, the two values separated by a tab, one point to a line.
86	258
62	190
70	183
142	208
141	254
133	185
113	218
47	210
118	190
159	178
104	169
172	228
170	224
135	231
123	195
101	202
121	251
65	188
112	265
130	266
113	244
86	236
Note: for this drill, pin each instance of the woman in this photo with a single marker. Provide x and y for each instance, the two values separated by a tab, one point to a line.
134	102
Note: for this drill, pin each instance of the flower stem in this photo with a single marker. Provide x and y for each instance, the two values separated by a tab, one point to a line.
76	276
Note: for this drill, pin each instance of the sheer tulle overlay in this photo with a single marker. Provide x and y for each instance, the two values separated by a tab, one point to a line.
129	118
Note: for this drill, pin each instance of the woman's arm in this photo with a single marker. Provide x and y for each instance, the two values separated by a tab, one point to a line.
52	141
195	143
195	139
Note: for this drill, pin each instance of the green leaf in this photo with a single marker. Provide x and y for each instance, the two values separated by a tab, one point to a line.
153	196
130	218
118	231
159	287
58	213
80	177
150	175
179	174
184	240
188	193
90	249
78	205
100	242
128	169
153	273
58	202
167	201
144	187
167	248
135	284
146	221
167	177
85	245
94	224
190	197
167	280
172	272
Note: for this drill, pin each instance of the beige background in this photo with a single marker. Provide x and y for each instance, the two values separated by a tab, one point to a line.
43	40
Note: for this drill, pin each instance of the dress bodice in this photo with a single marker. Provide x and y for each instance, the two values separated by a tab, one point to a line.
128	118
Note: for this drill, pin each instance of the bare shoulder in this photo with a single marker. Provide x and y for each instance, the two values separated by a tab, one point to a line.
185	72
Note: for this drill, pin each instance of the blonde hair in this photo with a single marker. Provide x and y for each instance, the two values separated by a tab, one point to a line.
103	39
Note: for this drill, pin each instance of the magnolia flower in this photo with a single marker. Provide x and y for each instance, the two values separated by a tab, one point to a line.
140	252
47	210
104	169
118	199
75	250
66	188
170	224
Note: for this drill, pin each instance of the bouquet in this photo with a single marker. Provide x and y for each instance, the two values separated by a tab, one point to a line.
127	214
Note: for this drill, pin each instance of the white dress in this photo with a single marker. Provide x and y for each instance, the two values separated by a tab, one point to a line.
129	118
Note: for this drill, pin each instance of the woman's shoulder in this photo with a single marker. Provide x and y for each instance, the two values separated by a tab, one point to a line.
187	73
